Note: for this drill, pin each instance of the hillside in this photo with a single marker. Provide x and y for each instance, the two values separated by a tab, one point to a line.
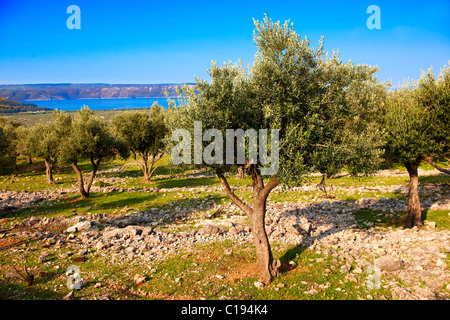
65	91
11	106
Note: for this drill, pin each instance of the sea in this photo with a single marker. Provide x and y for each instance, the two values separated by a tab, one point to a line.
99	104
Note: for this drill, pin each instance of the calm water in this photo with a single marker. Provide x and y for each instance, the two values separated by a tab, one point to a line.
100	104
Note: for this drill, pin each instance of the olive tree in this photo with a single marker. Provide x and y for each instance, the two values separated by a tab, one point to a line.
44	140
90	138
145	134
3	148
12	142
288	97
416	120
3	142
351	99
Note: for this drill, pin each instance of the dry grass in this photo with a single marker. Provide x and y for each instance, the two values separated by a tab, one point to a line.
245	270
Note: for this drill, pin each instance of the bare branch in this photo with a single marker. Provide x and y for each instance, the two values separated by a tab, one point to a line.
429	160
269	187
243	206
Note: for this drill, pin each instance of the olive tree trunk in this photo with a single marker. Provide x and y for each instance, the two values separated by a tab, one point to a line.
49	166
414	217
80	183
30	162
148	164
95	165
85	189
268	268
15	167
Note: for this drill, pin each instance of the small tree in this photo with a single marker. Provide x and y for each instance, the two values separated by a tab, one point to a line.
22	134
416	121
351	99
145	134
3	143
11	134
44	140
3	148
91	139
287	90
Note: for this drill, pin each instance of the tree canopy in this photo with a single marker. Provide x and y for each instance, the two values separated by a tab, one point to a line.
318	113
44	140
416	122
90	138
145	135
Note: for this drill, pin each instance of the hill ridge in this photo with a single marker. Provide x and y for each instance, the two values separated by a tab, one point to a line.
67	91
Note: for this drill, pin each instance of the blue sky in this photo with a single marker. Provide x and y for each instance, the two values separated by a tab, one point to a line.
171	42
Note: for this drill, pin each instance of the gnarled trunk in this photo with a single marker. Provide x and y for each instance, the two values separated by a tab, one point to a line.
90	180
49	166
84	190
80	183
146	161
268	268
414	217
151	170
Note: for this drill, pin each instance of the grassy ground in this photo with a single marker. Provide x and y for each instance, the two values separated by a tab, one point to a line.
211	271
206	272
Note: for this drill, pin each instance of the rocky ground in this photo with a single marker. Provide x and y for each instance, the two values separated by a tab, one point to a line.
411	263
13	200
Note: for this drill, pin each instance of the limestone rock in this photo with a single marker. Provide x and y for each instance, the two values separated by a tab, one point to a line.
84	225
209	230
388	263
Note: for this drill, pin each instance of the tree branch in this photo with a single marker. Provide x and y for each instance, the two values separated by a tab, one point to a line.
90	180
429	160
153	171
258	183
243	206
269	187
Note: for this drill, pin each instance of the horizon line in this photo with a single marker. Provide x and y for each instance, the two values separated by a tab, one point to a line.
91	83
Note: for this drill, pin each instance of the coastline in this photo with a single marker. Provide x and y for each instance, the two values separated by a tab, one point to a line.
101	103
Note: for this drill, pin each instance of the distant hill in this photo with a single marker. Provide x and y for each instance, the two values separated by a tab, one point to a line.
66	91
11	106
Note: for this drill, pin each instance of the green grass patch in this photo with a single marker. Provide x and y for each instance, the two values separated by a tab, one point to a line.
384	219
441	217
367	218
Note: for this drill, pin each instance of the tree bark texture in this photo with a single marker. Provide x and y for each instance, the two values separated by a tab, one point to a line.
148	165
49	166
414	217
268	268
95	165
80	183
